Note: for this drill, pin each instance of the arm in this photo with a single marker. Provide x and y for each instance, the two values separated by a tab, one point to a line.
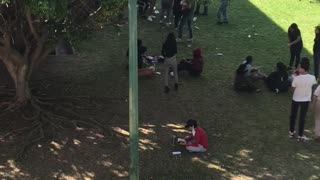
313	103
163	51
295	41
196	141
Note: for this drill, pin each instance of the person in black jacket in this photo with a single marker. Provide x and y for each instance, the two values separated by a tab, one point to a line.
295	44
316	51
278	81
169	51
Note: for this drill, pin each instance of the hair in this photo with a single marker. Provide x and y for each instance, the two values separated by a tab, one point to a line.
171	39
281	67
317	34
197	54
249	60
191	122
305	63
294	26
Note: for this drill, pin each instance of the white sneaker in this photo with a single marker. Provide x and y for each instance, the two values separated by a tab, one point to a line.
149	18
303	138
292	134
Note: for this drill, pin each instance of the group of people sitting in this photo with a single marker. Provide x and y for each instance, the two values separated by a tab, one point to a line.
146	67
247	77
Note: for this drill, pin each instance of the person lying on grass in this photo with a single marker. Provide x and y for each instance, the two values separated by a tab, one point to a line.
198	142
194	66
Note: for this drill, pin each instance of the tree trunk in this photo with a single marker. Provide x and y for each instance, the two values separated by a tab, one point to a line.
20	75
23	93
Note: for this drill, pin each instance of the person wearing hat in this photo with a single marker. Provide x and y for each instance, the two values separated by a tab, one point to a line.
198	142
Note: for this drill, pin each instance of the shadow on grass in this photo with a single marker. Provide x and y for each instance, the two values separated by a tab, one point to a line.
247	133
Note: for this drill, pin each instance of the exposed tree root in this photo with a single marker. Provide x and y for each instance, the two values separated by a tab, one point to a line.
45	117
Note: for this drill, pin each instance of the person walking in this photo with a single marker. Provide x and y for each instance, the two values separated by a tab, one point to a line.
295	44
222	13
302	91
187	7
169	51
316	51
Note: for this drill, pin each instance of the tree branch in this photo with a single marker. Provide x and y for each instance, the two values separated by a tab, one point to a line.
32	29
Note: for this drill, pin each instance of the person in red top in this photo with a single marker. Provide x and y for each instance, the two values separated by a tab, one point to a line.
193	66
199	140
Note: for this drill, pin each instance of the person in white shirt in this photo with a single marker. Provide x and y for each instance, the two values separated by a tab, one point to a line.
302	87
316	108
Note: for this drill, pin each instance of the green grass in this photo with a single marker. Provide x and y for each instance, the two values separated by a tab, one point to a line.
247	132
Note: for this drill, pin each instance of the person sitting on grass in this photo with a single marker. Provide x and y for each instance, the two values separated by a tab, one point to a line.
143	68
198	142
278	81
245	77
194	66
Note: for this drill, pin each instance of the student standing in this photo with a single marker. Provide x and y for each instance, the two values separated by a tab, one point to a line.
295	44
187	16
169	51
222	13
302	91
316	51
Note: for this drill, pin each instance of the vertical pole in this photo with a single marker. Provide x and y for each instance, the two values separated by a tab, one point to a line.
133	91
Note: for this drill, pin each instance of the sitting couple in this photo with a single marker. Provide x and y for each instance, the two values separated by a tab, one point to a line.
246	76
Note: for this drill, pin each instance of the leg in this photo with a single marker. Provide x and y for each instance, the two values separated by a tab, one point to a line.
200	148
297	56
177	18
316	58
219	13
189	27
205	10
166	72
169	15
161	14
152	4
175	69
197	8
181	25
224	11
293	115
291	57
303	113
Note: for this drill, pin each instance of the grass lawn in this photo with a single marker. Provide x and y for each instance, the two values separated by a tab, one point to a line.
248	133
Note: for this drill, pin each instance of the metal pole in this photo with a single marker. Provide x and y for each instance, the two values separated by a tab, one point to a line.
133	91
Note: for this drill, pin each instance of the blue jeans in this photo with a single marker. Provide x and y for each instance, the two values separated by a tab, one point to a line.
185	20
222	11
316	60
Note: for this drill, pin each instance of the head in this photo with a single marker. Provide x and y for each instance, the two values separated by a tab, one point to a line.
281	67
171	37
249	59
197	53
304	65
317	30
293	27
190	124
